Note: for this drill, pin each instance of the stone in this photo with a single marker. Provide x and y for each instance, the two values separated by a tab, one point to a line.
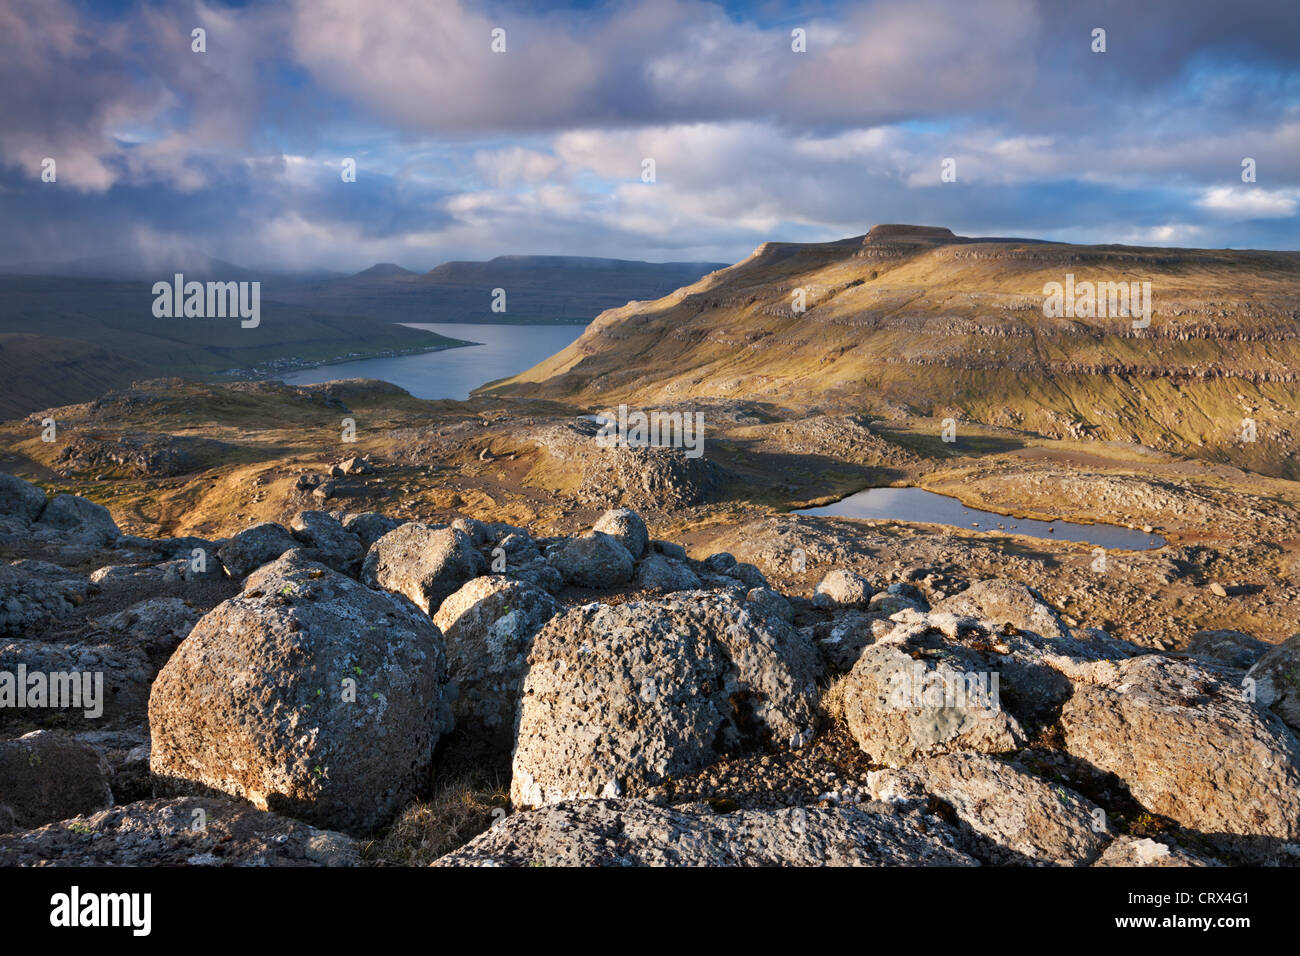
45	776
424	563
253	547
842	589
592	560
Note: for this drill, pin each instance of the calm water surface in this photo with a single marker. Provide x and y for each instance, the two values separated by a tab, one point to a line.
505	350
919	505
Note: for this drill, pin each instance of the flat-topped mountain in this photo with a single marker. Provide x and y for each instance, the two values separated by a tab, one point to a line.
916	320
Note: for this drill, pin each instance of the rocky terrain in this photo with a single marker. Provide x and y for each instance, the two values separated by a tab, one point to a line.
339	625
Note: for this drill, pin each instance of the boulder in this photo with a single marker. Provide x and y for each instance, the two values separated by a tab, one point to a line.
747	574
1189	746
308	694
32	591
919	692
116	677
253	547
156	625
843	589
72	516
620	698
1227	647
339	549
657	573
426	564
188	831
1277	680
45	776
370	527
1007	602
592	560
1130	851
20	499
636	833
488	626
771	602
626	527
1025	818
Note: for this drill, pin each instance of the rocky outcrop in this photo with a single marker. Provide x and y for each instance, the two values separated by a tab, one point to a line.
308	694
618	698
635	833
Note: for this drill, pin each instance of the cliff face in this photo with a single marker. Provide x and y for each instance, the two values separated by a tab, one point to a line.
918	321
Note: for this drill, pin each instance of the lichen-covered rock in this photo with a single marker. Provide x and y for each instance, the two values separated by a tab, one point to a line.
771	602
185	831
626	527
1189	746
592	560
918	692
1228	647
618	698
32	591
1277	681
1023	816
489	626
843	589
748	575
45	776
1007	602
657	573
635	833
308	694
20	499
424	563
253	547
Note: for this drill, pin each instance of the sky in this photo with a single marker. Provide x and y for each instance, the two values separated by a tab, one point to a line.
466	152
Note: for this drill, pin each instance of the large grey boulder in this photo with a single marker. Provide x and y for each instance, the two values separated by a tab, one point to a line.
842	588
592	560
308	694
156	625
657	573
626	527
489	626
70	516
1027	819
45	776
1189	746
1277	680
370	526
253	547
635	833
1007	602
426	564
20	499
619	698
919	692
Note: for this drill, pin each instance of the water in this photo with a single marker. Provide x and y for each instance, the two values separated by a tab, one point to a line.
505	350
919	505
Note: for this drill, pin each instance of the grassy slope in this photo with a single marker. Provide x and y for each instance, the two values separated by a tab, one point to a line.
959	330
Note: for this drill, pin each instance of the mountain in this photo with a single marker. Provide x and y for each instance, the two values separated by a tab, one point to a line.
916	321
538	289
69	339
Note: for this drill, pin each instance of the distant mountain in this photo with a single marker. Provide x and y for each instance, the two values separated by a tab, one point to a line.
916	321
142	268
538	289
